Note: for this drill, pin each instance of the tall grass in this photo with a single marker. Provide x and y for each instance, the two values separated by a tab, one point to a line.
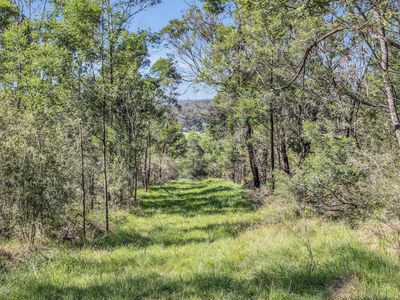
205	240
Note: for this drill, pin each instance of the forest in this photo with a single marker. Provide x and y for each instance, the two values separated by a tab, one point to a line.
285	185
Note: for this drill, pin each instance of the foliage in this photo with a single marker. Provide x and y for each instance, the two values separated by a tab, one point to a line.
330	179
279	66
87	107
194	163
36	186
90	128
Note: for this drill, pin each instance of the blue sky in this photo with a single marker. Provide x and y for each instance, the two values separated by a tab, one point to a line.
156	18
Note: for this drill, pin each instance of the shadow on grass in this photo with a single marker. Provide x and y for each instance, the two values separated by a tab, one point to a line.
288	279
171	236
195	200
137	276
186	187
153	286
209	201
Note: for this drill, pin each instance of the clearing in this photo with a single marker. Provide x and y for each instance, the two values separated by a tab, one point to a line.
205	240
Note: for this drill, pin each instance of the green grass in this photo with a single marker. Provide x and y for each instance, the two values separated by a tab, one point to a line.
205	240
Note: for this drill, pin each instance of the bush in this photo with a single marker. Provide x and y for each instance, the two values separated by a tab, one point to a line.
35	186
194	164
331	179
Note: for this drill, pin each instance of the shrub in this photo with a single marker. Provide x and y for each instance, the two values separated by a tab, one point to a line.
331	179
35	186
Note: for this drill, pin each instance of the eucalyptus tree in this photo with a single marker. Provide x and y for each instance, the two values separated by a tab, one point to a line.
363	31
75	75
74	27
376	25
114	20
32	97
237	58
211	50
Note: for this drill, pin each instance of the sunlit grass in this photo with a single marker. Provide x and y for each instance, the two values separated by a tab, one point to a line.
205	240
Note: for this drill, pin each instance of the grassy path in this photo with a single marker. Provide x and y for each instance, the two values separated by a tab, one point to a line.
203	240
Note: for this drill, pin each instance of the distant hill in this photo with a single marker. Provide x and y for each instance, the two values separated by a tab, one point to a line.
186	101
193	114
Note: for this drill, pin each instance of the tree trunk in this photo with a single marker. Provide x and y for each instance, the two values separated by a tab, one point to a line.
160	170
135	178
135	159
104	133
272	145
91	191
105	166
149	172
146	157
283	154
146	152
265	166
83	183
129	161
350	119
161	160
389	88
250	150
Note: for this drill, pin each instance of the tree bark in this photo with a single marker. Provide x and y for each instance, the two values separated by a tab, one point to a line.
83	183
105	167
389	88
149	171
250	150
160	170
163	150
146	157
272	144
91	191
135	177
104	112
129	160
283	153
265	166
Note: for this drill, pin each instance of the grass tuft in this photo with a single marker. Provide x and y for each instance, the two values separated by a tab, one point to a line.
206	240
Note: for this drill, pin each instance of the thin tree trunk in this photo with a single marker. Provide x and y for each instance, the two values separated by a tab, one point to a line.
161	160
105	167
244	171
160	170
350	119
91	191
104	108
135	159
304	145
389	88
265	165
146	152
279	156
131	180
250	150
146	156
135	178
149	172
283	154
83	183
272	145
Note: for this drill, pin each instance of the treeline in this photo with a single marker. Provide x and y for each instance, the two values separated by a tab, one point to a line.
84	118
307	104
307	98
